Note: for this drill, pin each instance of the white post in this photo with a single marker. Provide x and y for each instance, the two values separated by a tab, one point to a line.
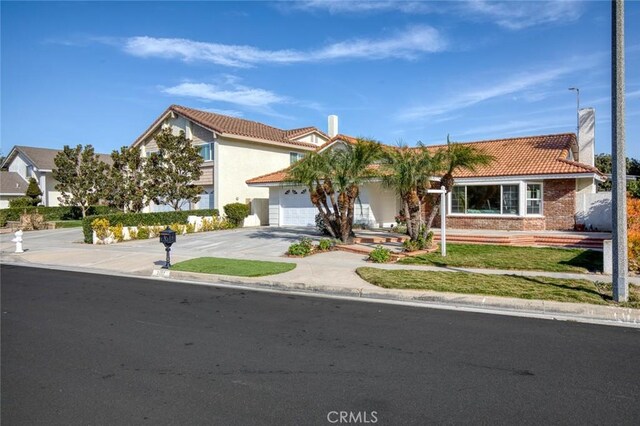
443	216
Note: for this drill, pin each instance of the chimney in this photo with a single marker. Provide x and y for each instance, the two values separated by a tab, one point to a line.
333	126
587	136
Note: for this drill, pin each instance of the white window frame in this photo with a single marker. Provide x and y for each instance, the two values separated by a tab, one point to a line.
500	184
211	151
541	214
298	155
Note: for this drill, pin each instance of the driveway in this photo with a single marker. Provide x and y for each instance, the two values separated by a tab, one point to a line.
64	248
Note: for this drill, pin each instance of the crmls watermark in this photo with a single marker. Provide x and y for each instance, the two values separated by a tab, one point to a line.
352	417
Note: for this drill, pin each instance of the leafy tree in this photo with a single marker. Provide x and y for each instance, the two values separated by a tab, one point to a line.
125	185
172	170
333	178
33	192
603	163
408	171
455	157
80	175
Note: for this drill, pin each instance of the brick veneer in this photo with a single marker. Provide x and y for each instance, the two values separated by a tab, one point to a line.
558	204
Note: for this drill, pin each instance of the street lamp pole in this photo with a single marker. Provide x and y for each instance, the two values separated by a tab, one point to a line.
618	157
577	113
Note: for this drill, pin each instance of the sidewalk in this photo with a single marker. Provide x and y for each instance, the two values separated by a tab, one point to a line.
331	273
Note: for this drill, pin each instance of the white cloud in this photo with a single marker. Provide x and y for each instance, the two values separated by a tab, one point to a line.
513	15
407	44
230	92
519	82
516	15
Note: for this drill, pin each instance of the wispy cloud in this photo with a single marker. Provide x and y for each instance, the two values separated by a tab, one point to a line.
514	15
407	44
517	83
230	92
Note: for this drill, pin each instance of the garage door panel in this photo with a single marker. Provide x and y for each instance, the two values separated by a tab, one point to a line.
296	208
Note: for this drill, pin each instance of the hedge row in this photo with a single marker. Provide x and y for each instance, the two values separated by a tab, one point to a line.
56	213
146	219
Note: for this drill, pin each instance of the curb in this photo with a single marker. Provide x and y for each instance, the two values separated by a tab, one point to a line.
581	312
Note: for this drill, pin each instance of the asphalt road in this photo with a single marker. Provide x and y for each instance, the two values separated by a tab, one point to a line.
90	349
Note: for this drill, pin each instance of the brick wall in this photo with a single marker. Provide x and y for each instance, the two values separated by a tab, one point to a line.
559	200
558	204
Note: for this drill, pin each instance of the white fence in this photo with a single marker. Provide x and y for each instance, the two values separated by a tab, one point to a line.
594	211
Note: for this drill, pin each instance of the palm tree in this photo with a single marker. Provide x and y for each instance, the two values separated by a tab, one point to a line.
456	157
409	172
333	178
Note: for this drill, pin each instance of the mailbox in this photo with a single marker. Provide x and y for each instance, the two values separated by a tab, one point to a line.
167	237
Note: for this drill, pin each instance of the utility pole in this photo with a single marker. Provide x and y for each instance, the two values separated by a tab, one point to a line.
618	157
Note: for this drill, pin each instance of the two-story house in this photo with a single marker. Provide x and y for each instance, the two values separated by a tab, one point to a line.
234	150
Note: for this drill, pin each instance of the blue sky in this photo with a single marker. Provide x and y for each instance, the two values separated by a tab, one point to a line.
100	73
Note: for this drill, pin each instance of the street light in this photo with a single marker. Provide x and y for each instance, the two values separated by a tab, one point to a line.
577	112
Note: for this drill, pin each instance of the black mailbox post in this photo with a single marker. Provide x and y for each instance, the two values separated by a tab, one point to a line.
167	237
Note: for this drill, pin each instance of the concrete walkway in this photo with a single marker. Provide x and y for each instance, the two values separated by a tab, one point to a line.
332	272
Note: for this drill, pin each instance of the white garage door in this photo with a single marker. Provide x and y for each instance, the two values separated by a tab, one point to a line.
296	208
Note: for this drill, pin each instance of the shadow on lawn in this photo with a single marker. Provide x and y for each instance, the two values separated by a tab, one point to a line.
591	260
580	288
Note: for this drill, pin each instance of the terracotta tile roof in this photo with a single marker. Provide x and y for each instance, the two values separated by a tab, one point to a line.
42	158
523	156
226	125
338	137
12	183
529	155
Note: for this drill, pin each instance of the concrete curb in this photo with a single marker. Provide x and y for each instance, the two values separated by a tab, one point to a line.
582	312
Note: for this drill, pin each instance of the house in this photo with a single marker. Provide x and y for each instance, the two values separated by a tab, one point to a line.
24	162
234	150
12	185
535	183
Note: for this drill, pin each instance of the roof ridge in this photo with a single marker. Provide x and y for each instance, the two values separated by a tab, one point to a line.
506	139
231	117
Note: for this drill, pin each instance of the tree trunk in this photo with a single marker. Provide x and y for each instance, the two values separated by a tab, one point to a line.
84	210
435	206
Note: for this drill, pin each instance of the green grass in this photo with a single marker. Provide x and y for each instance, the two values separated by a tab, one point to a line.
68	223
236	267
515	258
542	288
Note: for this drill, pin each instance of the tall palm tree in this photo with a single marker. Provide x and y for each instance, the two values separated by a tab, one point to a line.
333	178
408	171
456	157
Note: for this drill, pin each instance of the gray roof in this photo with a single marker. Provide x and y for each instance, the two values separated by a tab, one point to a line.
12	183
42	158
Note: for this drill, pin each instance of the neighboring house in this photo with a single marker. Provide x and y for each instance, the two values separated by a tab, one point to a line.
535	183
233	150
29	161
12	185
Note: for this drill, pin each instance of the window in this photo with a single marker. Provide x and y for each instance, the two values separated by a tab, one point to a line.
295	156
485	199
534	198
206	151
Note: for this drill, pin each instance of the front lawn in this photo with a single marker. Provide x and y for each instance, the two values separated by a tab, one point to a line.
236	267
516	258
542	288
68	223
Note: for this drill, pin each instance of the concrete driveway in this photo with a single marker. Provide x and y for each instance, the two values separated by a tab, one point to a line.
64	248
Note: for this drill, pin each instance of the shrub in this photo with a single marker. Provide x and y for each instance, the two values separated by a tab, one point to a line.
59	212
190	228
179	228
20	202
325	244
133	233
320	226
410	245
633	234
118	232
236	213
143	233
3	219
380	255
302	248
101	228
144	219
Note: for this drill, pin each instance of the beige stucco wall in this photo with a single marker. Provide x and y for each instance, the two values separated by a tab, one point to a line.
584	186
51	193
237	161
313	138
383	203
